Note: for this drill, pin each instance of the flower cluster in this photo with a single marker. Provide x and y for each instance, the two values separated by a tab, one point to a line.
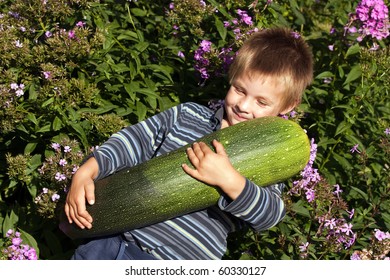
58	170
15	249
63	164
189	13
309	177
9	113
328	207
379	248
18	89
211	61
242	26
215	104
373	20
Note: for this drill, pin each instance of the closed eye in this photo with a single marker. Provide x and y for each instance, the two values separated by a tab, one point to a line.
262	103
239	90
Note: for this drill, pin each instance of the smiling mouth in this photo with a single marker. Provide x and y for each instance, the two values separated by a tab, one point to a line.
238	117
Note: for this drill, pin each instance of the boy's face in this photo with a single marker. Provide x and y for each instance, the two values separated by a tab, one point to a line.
250	98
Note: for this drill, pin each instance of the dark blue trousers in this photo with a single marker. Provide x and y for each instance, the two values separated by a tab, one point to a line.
110	248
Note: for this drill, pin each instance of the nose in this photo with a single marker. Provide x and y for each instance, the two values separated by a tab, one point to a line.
244	104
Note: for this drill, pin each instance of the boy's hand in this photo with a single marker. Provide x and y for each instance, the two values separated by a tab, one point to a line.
214	168
82	189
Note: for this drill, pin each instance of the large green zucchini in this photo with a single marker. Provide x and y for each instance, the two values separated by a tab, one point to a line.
265	150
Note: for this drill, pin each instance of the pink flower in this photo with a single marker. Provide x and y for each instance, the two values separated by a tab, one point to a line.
380	235
355	149
55	197
56	146
355	256
16	241
9	232
80	24
60	177
180	54
47	75
330	223
304	246
351	213
18	44
346	228
71	34
310	195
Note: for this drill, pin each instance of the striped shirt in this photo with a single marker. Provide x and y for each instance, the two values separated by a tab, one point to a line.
198	235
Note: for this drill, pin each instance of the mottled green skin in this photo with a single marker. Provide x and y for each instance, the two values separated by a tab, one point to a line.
265	150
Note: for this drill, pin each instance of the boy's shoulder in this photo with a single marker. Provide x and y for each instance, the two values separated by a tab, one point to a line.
193	108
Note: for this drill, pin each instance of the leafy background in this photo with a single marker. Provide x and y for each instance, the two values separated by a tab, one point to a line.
73	72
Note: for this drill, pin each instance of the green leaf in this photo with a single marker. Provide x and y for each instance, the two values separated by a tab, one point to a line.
142	46
57	124
220	8
128	35
160	68
9	222
120	68
353	50
354	74
35	161
29	240
141	111
246	256
80	132
31	117
343	126
138	12
343	161
47	102
44	128
326	141
32	93
30	147
341	71
326	74
362	193
221	28
300	209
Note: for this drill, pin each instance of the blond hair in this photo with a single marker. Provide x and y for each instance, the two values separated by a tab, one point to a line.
280	54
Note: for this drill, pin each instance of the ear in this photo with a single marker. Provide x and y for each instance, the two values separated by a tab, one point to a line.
289	108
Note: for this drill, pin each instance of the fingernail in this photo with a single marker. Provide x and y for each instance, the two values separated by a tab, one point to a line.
91	201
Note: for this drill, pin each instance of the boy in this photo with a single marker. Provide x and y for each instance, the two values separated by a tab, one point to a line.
268	77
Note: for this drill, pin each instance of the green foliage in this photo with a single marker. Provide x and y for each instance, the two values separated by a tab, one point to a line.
73	72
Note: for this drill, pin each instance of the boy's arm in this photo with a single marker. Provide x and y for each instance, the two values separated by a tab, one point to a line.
261	207
82	188
128	147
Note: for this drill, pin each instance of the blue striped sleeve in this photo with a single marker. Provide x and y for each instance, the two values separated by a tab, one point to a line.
134	144
261	207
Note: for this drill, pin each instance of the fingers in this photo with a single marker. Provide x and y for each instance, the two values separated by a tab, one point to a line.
67	213
75	207
80	216
192	172
219	148
90	193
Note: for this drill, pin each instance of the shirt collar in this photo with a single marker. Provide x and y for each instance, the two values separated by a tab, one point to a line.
218	117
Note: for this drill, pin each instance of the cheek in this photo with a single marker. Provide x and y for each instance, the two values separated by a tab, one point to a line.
265	112
230	98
